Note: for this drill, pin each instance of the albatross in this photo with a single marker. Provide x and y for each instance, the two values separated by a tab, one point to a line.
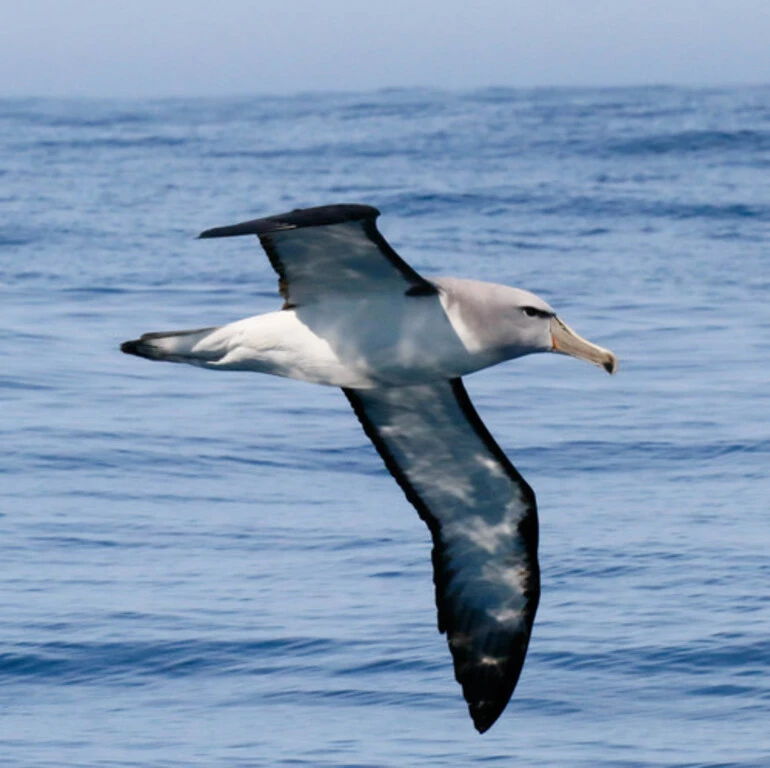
357	316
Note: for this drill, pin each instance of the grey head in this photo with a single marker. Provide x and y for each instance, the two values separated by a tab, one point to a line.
506	322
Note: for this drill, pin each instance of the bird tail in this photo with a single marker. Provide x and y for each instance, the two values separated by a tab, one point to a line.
174	347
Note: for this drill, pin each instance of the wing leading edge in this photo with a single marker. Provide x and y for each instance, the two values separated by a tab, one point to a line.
332	249
483	519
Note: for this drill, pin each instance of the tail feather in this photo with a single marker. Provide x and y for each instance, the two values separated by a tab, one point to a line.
173	346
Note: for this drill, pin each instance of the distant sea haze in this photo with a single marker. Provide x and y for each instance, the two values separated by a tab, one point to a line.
203	569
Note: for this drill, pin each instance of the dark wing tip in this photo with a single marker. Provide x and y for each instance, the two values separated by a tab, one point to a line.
139	348
485	714
487	689
320	216
131	347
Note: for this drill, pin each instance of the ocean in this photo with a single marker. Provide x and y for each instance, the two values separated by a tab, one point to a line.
210	569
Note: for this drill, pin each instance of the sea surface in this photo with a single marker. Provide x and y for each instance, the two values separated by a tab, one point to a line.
209	569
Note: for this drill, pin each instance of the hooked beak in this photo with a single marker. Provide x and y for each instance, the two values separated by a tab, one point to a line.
566	341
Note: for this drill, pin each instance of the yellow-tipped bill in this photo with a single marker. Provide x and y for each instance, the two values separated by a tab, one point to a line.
566	341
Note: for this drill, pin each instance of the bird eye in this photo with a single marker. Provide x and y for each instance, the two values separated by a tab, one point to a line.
531	312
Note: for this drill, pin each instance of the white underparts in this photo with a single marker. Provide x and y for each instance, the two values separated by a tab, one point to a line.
354	342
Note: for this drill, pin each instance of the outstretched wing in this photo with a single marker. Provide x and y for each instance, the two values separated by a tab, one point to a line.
332	249
483	519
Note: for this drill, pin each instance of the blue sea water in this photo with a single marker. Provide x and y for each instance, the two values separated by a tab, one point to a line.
201	569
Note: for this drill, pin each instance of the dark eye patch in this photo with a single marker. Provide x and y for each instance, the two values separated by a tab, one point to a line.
534	312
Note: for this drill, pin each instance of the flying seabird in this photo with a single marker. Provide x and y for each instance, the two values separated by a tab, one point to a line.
356	316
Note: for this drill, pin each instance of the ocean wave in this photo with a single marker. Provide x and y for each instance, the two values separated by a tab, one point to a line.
735	664
141	662
113	142
694	142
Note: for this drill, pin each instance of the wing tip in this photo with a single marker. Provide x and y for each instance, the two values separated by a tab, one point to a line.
131	347
214	232
488	698
485	714
319	216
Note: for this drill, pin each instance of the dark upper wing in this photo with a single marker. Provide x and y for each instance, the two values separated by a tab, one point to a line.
333	249
483	518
